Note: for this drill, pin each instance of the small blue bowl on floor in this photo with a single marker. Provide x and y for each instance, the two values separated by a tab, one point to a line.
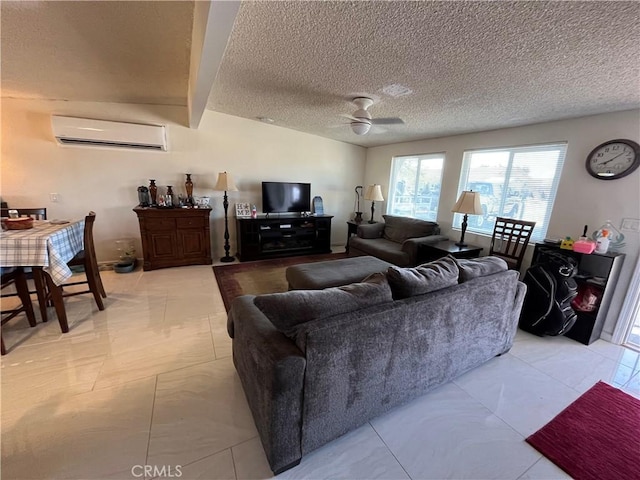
124	267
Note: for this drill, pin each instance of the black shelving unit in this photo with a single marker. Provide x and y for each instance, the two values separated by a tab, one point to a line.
601	272
264	237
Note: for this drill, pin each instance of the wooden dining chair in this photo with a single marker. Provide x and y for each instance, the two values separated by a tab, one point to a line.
86	258
15	276
35	213
510	239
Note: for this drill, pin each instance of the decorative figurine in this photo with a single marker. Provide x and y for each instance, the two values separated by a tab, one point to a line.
188	185
153	191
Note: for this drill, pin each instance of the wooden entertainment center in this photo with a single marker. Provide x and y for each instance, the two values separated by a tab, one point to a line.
282	236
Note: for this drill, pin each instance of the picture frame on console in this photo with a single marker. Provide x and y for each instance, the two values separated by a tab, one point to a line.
243	210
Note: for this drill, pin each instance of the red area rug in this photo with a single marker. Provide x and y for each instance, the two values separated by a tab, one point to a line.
262	276
596	437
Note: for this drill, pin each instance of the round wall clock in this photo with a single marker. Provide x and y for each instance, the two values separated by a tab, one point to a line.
613	159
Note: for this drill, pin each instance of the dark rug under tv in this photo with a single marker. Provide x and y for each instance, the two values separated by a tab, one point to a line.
597	437
261	276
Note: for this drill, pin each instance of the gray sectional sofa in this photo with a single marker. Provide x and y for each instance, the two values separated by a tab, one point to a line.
316	364
395	240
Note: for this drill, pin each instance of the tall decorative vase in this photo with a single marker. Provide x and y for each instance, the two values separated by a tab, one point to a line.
153	191
170	196
188	185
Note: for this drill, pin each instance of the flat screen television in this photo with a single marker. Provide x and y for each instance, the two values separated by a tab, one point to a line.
282	197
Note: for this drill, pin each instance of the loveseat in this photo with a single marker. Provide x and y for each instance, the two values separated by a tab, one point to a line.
315	364
395	240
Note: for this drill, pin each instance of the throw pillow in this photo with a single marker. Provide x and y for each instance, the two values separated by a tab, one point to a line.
480	267
370	230
288	309
398	229
429	277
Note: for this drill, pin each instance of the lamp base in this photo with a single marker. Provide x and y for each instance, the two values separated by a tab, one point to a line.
227	259
372	221
464	229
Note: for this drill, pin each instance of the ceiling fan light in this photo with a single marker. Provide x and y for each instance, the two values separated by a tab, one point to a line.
363	102
360	128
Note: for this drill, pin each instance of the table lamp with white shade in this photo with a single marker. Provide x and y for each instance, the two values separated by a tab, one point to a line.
373	193
469	204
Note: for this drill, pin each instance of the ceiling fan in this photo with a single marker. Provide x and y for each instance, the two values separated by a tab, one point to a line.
361	120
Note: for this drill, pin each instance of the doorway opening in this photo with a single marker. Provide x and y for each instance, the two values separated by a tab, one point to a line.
627	332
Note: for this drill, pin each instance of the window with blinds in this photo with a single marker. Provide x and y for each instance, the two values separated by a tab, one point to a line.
517	182
414	189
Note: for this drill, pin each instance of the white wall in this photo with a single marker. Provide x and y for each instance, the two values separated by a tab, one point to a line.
581	200
105	180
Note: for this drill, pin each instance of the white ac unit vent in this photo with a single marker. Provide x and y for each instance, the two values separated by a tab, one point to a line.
102	133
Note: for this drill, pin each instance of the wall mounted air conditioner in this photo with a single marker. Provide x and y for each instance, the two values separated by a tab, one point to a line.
102	133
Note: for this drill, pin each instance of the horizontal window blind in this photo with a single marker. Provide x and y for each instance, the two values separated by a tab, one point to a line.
516	182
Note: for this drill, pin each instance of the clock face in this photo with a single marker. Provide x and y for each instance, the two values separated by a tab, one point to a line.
614	159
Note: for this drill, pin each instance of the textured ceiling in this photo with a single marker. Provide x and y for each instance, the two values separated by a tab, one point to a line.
102	51
472	66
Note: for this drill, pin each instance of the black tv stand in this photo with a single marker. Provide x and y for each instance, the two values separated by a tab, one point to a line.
262	238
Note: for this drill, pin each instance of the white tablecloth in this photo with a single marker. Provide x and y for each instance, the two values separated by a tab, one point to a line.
45	245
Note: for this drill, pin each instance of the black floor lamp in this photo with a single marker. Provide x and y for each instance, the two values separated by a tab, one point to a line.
225	183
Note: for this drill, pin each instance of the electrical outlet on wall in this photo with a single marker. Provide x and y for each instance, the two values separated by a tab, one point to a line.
54	197
630	224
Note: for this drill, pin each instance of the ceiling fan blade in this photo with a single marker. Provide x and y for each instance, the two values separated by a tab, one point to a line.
351	118
388	121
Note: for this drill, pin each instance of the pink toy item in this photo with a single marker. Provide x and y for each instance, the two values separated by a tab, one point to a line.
584	246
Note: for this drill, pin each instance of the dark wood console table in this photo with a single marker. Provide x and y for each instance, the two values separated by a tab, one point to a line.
174	237
261	238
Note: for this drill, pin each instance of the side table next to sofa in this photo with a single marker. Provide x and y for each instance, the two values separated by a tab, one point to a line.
352	229
432	251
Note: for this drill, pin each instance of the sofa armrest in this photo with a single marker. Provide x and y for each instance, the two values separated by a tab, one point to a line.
410	245
370	230
271	368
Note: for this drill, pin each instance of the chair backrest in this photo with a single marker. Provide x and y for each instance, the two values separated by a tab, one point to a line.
35	213
89	249
510	239
17	278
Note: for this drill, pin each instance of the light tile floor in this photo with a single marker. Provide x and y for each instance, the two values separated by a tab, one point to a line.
150	381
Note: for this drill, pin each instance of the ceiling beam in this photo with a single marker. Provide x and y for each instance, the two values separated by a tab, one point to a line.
212	25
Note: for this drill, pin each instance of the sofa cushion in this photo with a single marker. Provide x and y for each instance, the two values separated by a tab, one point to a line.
288	309
479	267
370	230
398	229
381	248
429	277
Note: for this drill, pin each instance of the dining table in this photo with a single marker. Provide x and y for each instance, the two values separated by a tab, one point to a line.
46	248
